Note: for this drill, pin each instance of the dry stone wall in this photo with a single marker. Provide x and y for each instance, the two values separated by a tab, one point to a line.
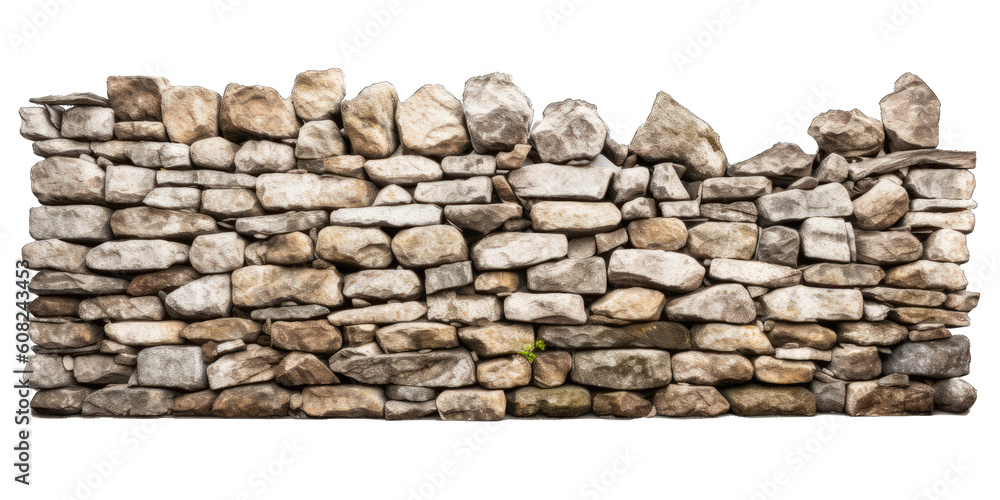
248	255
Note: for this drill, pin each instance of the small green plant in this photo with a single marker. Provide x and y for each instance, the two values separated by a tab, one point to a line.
529	352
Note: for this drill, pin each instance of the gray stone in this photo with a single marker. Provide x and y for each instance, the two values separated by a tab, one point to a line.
231	203
851	362
405	410
83	223
467	309
63	335
57	255
282	192
549	181
666	184
630	304
497	113
622	369
784	160
136	255
842	275
945	358
392	195
806	304
203	298
454	192
61	401
833	168
36	125
89	123
382	285
125	401
952	184
928	275
911	114
469	165
658	269
721	337
252	401
728	303
121	308
217	253
380	314
722	240
674	134
570	132
100	369
172	367
503	373
848	133
48	372
301	368
319	139
735	188
410	393
60	181
415	336
206	179
63	283
356	247
825	238
629	183
259	157
448	276
758	399
828	200
954	395
545	308
128	185
215	153
517	250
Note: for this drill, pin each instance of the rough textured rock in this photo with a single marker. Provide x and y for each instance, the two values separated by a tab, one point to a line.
256	111
561	182
562	401
261	286
910	115
945	358
782	161
659	269
370	121
570	132
497	113
317	94
847	133
672	133
432	122
471	404
729	303
622	369
756	399
710	368
517	250
682	400
190	114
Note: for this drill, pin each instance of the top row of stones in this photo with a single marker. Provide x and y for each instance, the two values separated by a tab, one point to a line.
494	116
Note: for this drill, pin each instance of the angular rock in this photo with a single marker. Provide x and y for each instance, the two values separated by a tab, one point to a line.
300	368
778	245
255	364
497	339
58	283
784	160
517	250
447	277
351	401
317	94
672	133
203	298
136	98
851	362
125	401
432	123
88	123
319	139
744	339
928	275
666	183
60	181
57	255
190	114
62	401
825	238
503	373
318	336
945	358
881	206
748	272
444	368
727	240
770	370
945	245
410	393
166	281
121	308
223	330
629	183
910	115
622	404
630	304
370	121
195	404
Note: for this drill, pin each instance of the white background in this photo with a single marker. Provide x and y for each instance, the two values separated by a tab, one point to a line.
757	71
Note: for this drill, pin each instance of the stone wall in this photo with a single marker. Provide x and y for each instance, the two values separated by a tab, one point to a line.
248	255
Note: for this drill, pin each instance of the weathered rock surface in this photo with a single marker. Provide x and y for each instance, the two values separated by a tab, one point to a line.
432	123
622	369
672	133
497	113
570	132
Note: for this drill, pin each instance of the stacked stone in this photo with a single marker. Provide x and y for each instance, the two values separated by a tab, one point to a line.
247	255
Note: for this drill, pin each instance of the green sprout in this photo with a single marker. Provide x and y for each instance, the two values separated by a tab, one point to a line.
529	352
